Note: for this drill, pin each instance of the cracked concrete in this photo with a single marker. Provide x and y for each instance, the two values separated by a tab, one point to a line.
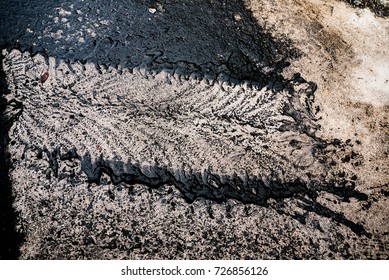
177	130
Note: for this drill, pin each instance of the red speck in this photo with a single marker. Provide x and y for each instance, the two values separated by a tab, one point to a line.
44	77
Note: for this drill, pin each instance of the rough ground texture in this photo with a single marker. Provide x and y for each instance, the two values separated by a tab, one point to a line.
380	7
220	129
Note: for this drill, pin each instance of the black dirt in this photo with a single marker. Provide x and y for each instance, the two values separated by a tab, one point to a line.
375	5
9	236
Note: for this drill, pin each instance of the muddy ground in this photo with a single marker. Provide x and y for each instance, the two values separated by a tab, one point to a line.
207	130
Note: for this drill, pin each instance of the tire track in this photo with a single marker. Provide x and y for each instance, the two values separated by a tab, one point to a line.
252	145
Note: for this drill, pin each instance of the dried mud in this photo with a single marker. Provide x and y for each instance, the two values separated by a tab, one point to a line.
177	130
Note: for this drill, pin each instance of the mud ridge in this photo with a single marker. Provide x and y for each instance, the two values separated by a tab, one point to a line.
195	185
267	143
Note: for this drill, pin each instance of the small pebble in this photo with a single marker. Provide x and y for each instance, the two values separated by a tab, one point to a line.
44	77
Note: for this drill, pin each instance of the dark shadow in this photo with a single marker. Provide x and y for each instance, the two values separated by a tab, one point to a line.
213	40
10	238
375	5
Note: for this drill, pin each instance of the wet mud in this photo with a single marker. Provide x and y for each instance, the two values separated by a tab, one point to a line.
142	130
170	39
